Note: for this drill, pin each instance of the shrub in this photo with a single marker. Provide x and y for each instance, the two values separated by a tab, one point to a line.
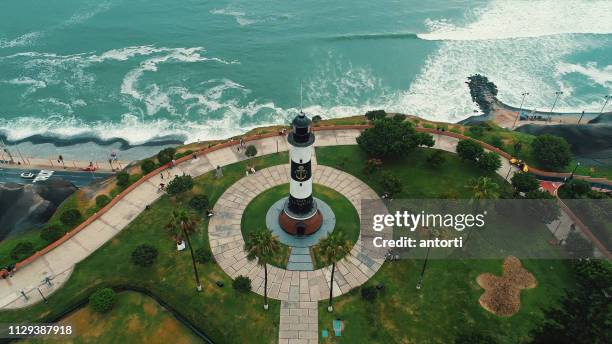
147	166
525	182
476	131
71	217
123	179
489	162
102	300
424	139
251	151
199	202
166	155
102	200
180	184
399	117
497	142
22	250
577	188
52	232
369	293
469	150
242	284
436	159
144	255
203	255
389	138
552	152
375	114
391	183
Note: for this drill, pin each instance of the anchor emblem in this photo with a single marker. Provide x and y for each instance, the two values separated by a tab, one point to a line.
301	173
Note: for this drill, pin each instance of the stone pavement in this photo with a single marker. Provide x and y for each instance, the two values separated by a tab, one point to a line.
299	323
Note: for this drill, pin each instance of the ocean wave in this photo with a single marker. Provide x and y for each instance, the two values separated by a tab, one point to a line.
374	36
526	19
23	40
601	76
244	19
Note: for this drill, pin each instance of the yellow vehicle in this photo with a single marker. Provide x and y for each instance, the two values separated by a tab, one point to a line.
520	164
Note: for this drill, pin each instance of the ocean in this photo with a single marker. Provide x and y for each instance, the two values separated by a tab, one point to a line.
139	72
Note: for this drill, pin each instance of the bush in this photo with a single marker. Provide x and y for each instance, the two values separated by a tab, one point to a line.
123	179
369	293
375	114
391	183
251	151
166	155
497	142
144	255
102	200
180	184
489	162
242	284
22	250
71	217
469	150
52	232
389	138
147	166
577	188
436	159
203	255
525	182
199	202
476	131
102	300
551	152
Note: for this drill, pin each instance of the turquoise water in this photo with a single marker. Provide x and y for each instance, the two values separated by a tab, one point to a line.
144	70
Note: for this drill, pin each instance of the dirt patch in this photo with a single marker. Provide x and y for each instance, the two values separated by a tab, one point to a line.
169	331
149	309
502	295
134	325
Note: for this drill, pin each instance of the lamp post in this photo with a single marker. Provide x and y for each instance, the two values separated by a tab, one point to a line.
557	94
195	268
524	94
607	98
420	283
581	115
574	171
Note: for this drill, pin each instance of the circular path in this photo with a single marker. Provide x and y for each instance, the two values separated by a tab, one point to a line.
227	244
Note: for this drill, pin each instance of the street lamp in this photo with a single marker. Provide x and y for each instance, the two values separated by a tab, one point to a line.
420	283
195	268
574	171
520	108
581	115
557	94
607	98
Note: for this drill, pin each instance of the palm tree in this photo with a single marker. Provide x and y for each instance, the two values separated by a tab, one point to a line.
483	189
181	223
333	248
262	245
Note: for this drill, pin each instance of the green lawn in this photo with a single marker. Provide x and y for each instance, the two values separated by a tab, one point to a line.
448	302
135	318
347	219
223	314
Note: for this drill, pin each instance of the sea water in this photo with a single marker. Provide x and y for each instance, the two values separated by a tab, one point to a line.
138	71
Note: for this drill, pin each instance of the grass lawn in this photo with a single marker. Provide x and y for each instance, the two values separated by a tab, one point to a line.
136	318
225	315
347	219
448	302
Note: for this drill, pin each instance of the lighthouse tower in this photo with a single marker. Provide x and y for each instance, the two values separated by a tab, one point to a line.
300	215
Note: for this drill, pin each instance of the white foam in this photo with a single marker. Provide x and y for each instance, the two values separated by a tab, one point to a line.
23	40
503	19
601	76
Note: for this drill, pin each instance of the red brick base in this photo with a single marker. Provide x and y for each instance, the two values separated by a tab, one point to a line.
300	227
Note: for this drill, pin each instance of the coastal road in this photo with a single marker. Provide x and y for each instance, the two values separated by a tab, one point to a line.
79	179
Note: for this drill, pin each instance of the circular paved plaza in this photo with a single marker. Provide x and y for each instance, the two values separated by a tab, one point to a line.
227	243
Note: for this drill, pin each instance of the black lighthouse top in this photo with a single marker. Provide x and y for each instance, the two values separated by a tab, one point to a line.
301	135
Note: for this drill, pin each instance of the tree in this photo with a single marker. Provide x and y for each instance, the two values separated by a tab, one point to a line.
144	255
577	246
577	188
180	184
102	200
147	166
251	151
316	119
263	246
181	223
584	314
102	300
333	248
242	284
551	152
525	182
424	139
489	162
542	206
22	250
71	217
469	150
375	114
199	202
436	159
497	142
390	138
476	131
390	183
483	188
517	146
52	232
166	155
123	179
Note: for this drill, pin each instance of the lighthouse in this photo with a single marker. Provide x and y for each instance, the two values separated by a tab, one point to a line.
300	215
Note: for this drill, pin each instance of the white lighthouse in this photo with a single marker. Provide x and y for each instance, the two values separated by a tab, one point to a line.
300	215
